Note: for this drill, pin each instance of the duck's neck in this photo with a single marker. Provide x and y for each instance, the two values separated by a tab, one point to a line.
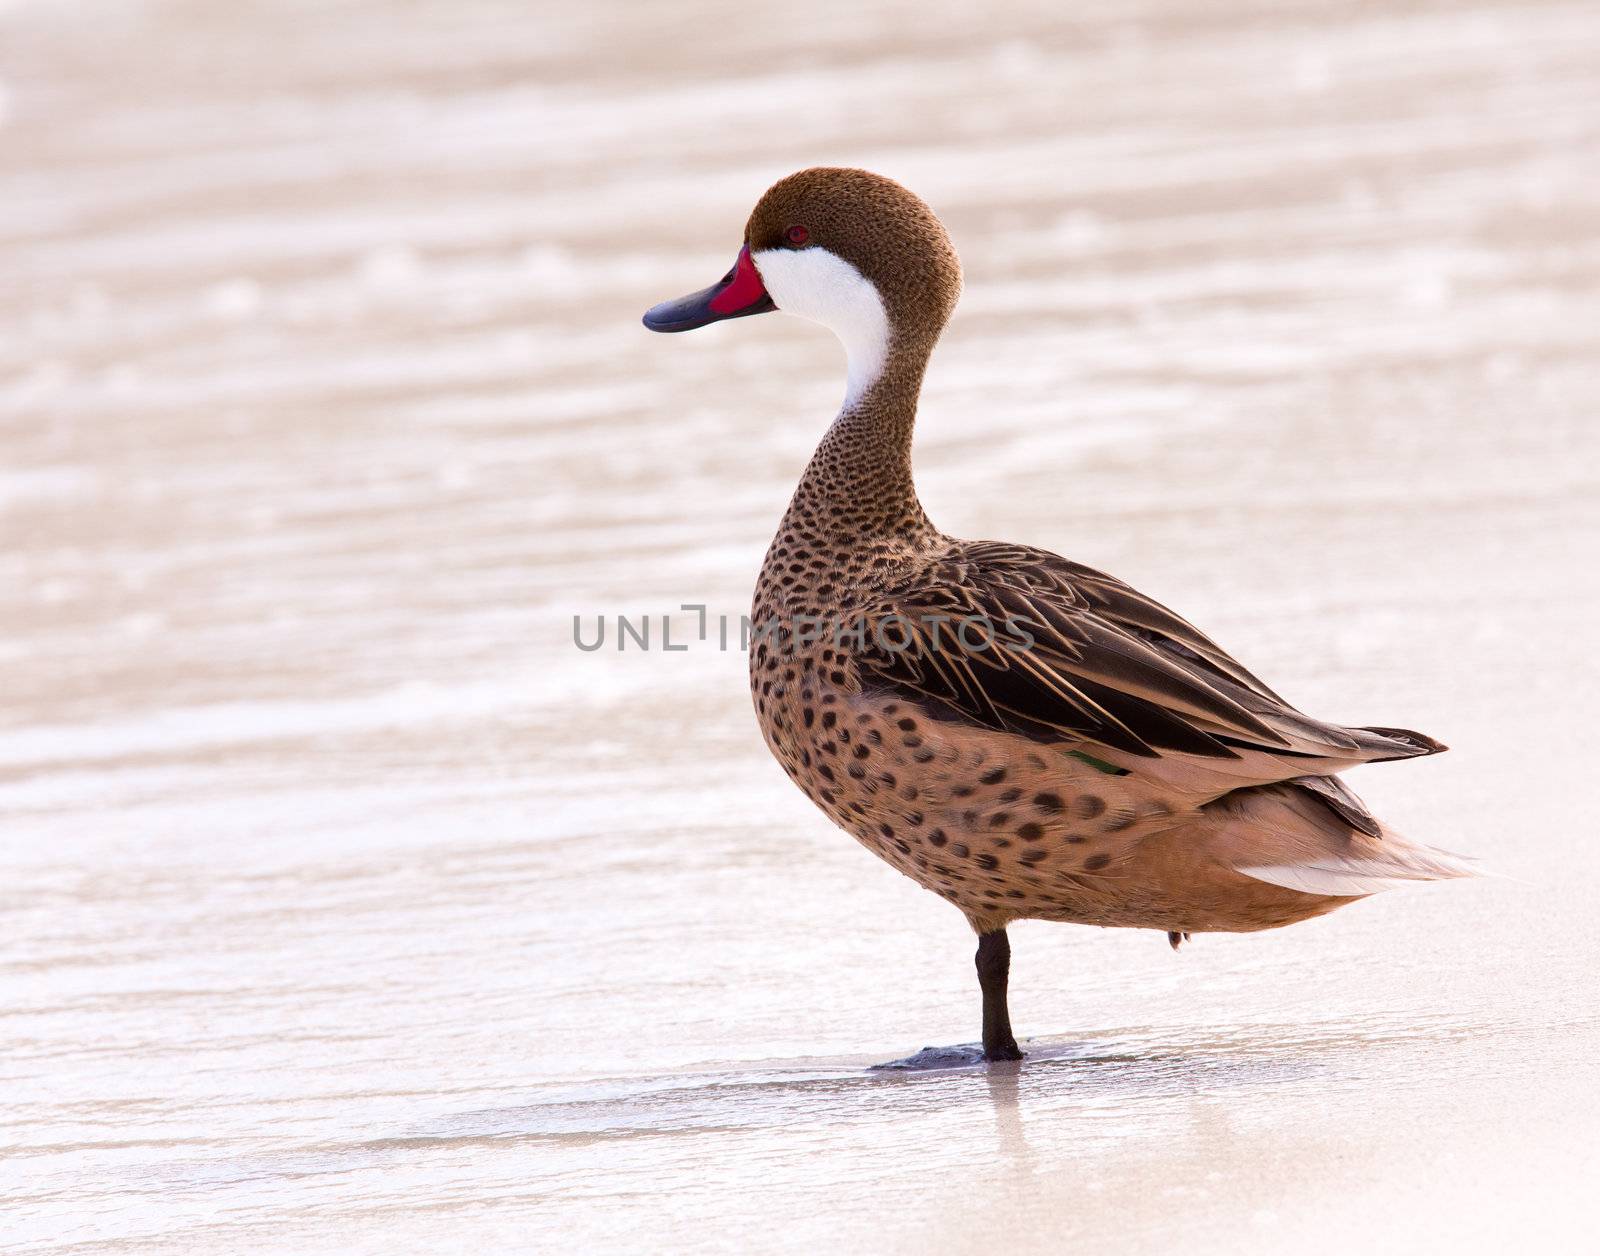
858	487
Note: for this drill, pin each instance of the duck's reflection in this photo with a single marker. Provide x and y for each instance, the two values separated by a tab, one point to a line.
1004	1081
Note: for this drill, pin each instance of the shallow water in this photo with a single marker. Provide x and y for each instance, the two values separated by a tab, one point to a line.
351	908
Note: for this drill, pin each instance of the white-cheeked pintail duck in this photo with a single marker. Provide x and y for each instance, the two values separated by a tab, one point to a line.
1026	737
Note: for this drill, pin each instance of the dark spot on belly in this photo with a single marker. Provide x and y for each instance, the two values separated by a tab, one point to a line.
1030	832
861	752
1031	857
886	829
998	819
1087	806
937	837
959	850
1096	862
1011	795
986	862
908	725
1075	839
829	719
923	756
824	771
961	791
1047	802
993	776
914	818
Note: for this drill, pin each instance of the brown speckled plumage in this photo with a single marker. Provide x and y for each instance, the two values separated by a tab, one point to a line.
1121	770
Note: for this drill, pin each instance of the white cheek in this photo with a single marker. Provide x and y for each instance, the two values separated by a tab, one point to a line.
823	287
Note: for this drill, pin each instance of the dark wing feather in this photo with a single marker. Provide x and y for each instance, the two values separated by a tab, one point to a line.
1105	664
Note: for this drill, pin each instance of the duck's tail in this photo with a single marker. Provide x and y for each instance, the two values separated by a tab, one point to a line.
1355	875
1323	841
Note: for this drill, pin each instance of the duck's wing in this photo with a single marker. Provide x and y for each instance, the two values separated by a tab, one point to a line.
1059	652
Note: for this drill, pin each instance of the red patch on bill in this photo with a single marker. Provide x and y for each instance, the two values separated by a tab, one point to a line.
745	288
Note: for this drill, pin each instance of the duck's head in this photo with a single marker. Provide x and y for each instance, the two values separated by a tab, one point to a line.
849	249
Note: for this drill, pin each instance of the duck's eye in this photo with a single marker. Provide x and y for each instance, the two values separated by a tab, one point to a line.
797	235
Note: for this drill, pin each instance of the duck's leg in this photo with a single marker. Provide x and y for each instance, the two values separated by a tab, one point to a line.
994	966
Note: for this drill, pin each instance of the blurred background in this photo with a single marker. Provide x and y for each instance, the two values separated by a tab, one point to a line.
349	907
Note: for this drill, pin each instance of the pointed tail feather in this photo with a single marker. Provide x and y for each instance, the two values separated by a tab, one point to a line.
1337	797
1352	876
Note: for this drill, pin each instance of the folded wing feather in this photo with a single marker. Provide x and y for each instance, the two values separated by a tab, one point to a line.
1106	666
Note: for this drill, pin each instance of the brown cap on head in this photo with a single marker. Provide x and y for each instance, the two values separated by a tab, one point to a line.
886	232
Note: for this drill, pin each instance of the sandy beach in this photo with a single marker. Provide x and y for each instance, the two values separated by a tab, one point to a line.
350	907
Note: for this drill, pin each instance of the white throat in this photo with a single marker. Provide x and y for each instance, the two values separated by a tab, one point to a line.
823	287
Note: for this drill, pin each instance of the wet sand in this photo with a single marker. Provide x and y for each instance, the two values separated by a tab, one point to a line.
351	908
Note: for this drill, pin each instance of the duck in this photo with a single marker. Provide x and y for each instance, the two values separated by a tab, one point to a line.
1026	737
